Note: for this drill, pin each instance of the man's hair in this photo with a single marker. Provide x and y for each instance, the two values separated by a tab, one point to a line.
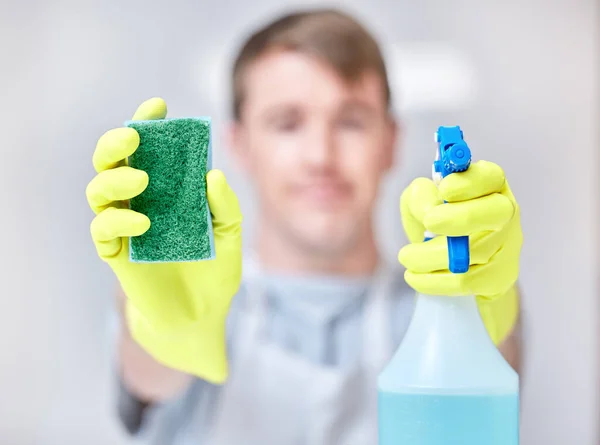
331	35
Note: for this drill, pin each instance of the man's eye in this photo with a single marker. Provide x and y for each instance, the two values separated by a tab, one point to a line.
287	125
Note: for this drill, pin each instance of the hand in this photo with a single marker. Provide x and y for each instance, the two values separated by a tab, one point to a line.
480	205
176	311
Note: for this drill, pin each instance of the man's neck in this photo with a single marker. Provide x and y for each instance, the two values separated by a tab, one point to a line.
280	254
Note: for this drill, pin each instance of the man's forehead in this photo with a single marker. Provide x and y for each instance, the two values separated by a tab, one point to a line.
293	75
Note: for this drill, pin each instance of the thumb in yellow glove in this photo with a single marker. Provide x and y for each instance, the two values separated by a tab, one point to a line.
480	205
175	311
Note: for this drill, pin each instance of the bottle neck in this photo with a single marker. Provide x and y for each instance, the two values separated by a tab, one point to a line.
434	304
458	316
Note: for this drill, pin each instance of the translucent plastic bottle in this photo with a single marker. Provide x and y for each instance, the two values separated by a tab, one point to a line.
447	383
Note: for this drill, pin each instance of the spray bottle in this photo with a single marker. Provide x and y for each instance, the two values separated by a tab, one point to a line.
447	384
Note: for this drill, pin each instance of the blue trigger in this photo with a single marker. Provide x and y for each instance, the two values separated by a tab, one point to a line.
459	255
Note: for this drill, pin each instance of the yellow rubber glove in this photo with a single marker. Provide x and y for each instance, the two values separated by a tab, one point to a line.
482	206
175	311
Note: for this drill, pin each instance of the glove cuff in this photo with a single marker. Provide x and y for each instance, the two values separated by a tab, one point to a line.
501	314
197	350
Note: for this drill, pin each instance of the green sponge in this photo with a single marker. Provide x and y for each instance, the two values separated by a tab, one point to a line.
176	154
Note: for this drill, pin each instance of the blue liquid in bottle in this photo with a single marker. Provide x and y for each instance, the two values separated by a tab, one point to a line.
434	419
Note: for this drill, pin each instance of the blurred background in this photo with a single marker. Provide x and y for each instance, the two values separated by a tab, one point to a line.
520	76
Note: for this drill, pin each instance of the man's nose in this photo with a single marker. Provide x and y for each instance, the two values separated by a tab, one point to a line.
320	151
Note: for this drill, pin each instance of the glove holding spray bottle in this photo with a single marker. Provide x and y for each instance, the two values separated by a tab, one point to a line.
448	384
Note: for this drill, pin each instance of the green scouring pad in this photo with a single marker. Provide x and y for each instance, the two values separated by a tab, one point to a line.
176	153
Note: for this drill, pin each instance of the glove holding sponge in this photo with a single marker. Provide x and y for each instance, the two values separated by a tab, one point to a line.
171	233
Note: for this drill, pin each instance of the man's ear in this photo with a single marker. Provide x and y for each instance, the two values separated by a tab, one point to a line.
392	132
236	142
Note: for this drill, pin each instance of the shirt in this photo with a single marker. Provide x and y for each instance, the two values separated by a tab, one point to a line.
316	317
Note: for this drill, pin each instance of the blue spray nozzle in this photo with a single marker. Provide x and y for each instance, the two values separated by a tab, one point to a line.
454	156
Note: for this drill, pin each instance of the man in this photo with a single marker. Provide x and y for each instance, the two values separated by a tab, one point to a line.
307	329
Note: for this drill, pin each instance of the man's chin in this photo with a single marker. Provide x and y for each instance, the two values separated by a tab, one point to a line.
328	244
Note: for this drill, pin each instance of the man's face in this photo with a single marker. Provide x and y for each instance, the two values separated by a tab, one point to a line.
316	148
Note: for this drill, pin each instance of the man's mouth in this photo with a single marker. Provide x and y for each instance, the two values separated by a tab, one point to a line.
329	193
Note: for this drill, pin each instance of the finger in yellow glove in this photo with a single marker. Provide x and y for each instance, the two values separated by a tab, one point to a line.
175	311
480	205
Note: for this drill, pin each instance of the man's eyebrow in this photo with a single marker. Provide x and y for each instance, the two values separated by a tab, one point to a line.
357	105
274	111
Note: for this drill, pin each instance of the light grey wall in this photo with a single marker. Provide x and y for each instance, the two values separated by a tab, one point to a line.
72	70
